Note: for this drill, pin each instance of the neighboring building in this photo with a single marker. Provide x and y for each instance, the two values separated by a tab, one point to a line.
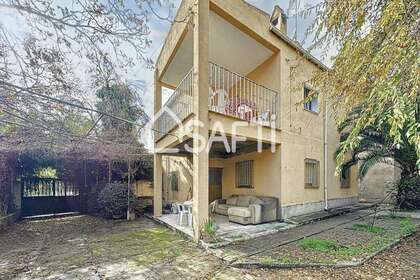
377	184
228	61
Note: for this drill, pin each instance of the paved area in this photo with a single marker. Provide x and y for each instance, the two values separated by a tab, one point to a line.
254	246
228	232
84	247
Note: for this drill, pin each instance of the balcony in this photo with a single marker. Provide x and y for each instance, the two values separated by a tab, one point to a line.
230	94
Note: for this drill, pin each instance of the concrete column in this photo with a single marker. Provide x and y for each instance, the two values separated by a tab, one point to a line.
157	185
157	170
200	109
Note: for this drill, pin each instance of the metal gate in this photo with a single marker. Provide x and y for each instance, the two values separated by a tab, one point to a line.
42	196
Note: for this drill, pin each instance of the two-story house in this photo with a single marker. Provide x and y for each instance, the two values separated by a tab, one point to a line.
234	70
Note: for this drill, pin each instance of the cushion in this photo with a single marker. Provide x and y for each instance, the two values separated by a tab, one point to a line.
231	200
223	206
243	201
239	211
256	200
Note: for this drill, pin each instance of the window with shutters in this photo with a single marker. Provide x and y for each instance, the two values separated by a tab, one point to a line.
244	174
311	173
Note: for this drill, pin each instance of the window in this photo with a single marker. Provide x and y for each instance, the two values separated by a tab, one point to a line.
215	176
313	104
311	173
345	179
174	180
244	174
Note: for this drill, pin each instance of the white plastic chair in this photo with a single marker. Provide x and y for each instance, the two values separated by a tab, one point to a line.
183	214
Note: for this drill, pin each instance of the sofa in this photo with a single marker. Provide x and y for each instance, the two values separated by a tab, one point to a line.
246	209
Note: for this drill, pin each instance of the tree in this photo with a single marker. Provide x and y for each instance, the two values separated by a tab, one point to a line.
122	101
377	146
377	65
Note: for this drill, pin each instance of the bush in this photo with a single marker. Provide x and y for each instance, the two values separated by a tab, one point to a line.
408	194
112	200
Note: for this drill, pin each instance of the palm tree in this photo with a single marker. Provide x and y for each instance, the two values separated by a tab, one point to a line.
376	146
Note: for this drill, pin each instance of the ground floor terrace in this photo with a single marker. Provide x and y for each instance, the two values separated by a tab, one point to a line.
265	179
85	247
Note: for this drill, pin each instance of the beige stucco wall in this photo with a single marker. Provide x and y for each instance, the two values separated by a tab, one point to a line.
377	183
144	188
266	174
182	165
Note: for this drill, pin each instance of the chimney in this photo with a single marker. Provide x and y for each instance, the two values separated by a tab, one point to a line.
279	19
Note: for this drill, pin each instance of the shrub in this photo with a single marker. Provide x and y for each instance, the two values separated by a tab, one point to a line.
209	229
408	195
112	200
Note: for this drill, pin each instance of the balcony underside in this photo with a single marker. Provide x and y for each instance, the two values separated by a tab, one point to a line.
179	136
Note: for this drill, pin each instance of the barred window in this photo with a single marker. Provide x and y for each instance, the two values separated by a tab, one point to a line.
244	174
311	173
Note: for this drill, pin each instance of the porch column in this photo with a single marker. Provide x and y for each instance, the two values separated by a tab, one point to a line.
157	163
157	185
200	110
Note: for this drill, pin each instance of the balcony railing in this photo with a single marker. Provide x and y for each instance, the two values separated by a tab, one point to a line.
179	105
230	94
237	96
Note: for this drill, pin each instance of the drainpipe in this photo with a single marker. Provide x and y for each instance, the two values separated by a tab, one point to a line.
325	155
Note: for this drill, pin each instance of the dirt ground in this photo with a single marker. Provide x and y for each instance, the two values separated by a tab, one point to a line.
84	247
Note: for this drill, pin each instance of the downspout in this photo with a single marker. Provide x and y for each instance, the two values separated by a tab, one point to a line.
325	155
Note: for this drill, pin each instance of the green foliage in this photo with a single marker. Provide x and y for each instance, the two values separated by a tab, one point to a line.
369	228
407	227
408	193
209	229
113	200
377	65
46	172
319	245
376	145
121	101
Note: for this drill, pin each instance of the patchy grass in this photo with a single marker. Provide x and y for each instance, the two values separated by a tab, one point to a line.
320	245
368	228
407	227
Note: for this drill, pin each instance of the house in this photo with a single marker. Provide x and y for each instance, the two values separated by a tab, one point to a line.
236	75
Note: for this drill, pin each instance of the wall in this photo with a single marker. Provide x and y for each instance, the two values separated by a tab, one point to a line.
144	188
266	174
183	166
376	184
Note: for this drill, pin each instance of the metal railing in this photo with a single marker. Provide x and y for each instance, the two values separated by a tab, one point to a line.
230	94
235	95
179	105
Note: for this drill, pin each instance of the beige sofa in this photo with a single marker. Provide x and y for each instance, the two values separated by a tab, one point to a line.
247	210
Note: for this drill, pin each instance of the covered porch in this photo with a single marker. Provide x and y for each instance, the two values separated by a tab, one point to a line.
247	172
227	232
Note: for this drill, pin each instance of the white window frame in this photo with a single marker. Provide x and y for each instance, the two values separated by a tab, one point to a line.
312	175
